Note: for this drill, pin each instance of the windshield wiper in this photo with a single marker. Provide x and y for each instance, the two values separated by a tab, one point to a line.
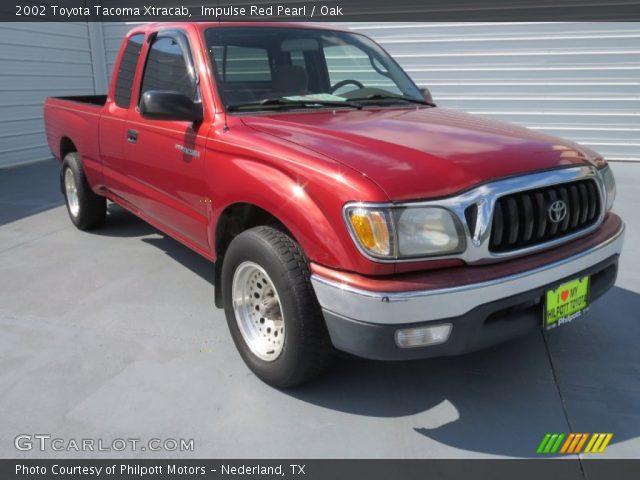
285	103
380	96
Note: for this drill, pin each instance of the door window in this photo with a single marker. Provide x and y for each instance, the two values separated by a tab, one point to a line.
166	69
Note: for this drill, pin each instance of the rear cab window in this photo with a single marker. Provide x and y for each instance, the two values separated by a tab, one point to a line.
127	70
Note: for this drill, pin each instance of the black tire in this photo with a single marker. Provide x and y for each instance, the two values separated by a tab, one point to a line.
92	209
307	350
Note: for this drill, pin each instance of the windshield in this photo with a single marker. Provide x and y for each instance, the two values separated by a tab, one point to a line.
257	66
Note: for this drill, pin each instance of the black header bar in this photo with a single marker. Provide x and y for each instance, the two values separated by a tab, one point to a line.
321	11
566	469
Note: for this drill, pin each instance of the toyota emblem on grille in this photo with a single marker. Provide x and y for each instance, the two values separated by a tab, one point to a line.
557	211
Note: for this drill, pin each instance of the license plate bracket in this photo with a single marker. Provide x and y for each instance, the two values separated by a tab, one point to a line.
566	302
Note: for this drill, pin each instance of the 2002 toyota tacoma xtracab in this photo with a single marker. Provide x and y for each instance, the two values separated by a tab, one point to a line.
343	208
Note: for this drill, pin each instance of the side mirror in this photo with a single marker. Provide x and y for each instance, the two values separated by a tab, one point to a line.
169	105
426	94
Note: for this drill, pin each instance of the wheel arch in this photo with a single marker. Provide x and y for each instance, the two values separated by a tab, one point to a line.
304	200
233	220
66	147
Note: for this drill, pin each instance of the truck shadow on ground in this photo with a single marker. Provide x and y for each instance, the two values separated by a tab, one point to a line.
503	400
121	223
500	401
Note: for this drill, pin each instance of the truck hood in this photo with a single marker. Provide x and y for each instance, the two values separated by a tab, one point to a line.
423	153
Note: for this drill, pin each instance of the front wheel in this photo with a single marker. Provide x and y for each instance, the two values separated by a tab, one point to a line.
273	315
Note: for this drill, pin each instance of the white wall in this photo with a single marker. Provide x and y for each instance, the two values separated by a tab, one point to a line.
575	80
38	60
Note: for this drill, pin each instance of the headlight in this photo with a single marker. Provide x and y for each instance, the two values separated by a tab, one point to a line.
405	232
609	185
427	231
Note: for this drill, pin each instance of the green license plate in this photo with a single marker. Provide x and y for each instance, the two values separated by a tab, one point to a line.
565	303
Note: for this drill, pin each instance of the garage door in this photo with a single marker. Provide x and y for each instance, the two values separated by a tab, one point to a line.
575	80
38	60
114	32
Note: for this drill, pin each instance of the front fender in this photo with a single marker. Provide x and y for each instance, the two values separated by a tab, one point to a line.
305	197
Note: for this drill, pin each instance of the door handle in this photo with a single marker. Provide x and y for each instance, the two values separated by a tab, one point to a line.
132	136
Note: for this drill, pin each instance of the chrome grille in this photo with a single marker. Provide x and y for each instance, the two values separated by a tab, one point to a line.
523	219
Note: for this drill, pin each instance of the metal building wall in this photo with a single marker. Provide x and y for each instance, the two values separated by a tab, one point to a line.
114	32
38	60
576	80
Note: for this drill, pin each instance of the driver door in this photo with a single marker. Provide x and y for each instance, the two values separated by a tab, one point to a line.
166	158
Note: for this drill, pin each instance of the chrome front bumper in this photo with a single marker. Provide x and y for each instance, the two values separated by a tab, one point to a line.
477	315
390	308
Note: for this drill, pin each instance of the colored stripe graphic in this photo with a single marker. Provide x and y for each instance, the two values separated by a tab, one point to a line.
605	442
570	439
594	437
574	442
550	443
543	443
598	442
582	441
556	445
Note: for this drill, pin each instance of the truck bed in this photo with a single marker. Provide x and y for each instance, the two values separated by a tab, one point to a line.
72	124
98	100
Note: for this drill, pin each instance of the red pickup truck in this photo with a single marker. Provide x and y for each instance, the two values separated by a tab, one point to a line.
343	209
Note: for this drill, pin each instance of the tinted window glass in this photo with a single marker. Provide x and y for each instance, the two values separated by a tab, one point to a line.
346	62
127	70
166	69
297	58
256	63
245	64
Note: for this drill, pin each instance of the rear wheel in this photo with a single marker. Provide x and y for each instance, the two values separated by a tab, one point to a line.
271	309
86	209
